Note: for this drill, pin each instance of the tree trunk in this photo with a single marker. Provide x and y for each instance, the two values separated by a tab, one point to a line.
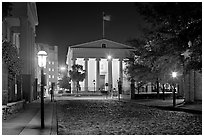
157	83
77	87
132	89
163	90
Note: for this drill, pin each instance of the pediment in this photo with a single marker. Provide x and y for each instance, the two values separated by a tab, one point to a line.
103	43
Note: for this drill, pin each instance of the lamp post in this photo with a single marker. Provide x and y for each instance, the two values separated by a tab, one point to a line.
94	85
174	75
42	64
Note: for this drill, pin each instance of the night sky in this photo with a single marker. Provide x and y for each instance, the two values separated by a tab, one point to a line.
67	23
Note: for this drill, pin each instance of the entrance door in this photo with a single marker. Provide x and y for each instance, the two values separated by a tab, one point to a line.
102	82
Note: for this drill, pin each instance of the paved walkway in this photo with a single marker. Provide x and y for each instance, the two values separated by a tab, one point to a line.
167	103
28	121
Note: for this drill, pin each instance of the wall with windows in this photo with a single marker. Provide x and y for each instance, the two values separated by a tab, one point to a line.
19	30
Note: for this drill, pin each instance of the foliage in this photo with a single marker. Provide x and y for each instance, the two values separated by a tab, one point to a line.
77	74
64	83
172	33
11	58
172	30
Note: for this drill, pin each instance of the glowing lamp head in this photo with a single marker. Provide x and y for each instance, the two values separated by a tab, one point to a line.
42	55
109	57
174	74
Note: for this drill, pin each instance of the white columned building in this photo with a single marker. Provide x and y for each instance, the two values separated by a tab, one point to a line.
103	61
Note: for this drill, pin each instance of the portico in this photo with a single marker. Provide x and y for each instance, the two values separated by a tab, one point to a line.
103	61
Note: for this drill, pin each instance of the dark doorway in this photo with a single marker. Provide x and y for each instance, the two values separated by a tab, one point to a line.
102	82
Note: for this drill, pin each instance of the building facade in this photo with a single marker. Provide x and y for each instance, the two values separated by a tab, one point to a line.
103	61
51	70
19	29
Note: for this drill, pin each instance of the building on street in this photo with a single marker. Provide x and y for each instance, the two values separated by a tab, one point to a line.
19	30
103	61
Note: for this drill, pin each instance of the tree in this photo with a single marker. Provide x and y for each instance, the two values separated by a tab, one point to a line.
77	74
64	83
6	9
176	28
173	41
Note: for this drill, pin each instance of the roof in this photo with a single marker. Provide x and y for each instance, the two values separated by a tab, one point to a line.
98	44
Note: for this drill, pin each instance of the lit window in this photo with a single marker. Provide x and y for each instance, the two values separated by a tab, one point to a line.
49	69
53	62
49	83
52	69
49	62
53	76
49	76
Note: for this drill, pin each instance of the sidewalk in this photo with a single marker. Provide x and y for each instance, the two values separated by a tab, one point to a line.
27	122
167	104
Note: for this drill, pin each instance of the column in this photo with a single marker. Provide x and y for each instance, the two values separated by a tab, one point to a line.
86	69
121	70
73	84
109	74
97	73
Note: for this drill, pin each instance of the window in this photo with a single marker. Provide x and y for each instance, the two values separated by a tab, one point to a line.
16	40
49	83
49	69
101	66
103	45
52	69
53	76
49	62
49	76
53	62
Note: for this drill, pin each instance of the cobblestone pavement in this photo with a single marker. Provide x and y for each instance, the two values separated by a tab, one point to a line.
112	117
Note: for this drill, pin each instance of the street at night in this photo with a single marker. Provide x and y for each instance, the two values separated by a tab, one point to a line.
101	68
113	117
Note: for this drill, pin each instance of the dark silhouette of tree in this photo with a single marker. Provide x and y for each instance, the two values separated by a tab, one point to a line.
176	29
6	9
77	74
64	83
172	42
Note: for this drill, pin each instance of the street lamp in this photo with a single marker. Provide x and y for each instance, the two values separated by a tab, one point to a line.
109	57
62	68
42	64
174	75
